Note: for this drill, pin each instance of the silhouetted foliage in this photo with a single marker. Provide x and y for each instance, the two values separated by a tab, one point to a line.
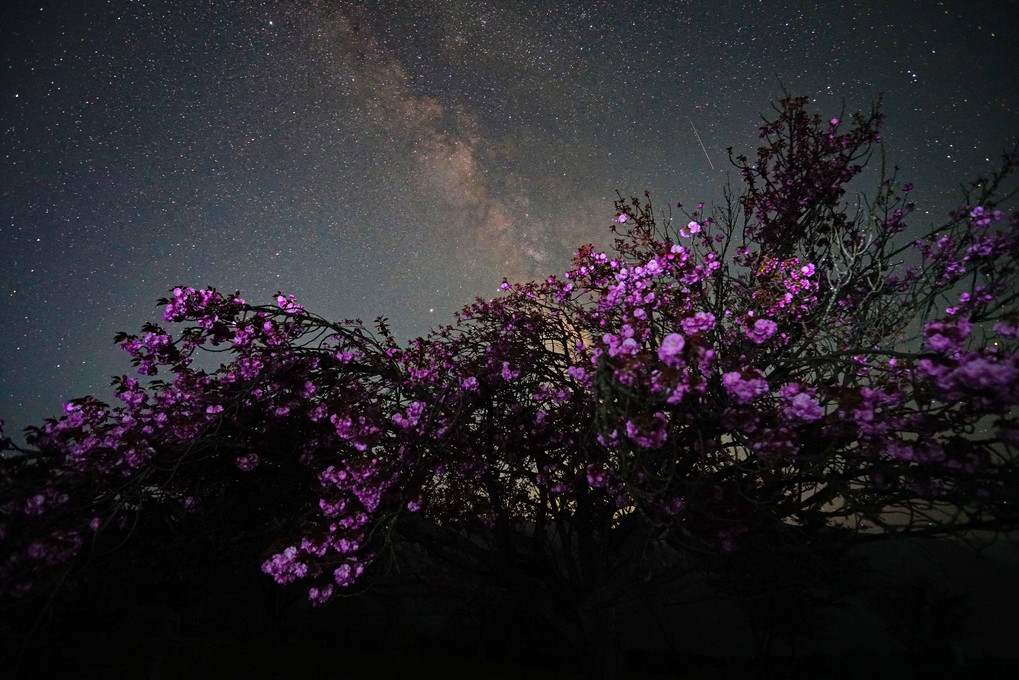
736	398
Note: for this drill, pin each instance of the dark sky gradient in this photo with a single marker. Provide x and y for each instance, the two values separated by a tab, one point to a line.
400	158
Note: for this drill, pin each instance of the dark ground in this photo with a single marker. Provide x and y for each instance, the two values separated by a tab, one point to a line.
254	630
199	659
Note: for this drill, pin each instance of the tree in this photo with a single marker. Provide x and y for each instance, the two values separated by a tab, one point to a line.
751	393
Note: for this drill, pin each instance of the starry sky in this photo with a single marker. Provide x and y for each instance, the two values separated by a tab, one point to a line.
400	158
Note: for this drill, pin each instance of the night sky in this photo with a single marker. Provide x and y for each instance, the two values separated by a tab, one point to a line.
401	158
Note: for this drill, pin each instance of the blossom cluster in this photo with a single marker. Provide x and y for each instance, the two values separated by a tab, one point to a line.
788	286
659	381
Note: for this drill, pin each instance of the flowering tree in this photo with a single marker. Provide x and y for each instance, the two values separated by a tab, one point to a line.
747	394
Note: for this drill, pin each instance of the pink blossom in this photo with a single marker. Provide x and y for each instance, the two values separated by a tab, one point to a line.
1007	329
346	573
763	329
414	412
284	567
247	462
677	394
577	373
597	475
803	407
320	596
671	349
701	321
650	434
979	373
743	391
948	335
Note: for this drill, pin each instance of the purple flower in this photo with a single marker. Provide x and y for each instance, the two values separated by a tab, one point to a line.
332	509
132	397
248	367
288	303
674	506
622	343
899	450
650	435
577	373
947	336
597	476
1007	329
347	573
243	336
177	309
701	321
284	567
743	391
132	346
762	330
319	596
803	407
248	462
608	440
671	349
677	394
414	412
156	341
35	505
977	373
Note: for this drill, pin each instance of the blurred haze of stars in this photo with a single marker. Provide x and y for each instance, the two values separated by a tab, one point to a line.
400	158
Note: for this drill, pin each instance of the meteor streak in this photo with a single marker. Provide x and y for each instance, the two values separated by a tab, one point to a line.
702	144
